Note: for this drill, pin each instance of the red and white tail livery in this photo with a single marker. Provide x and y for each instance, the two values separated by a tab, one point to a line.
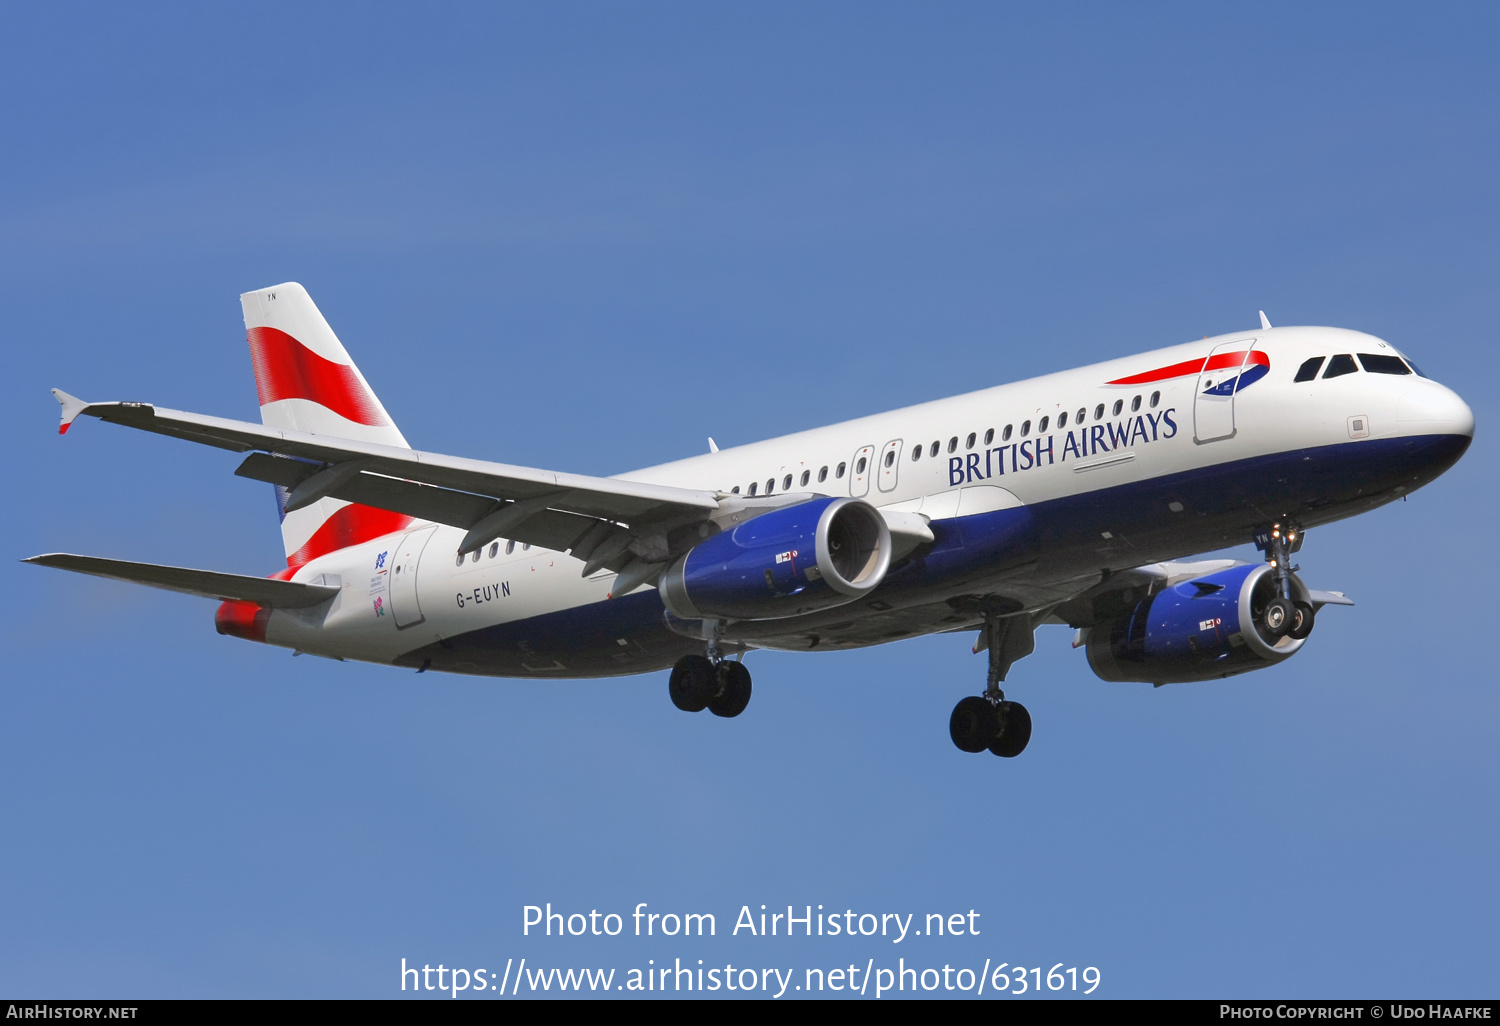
306	382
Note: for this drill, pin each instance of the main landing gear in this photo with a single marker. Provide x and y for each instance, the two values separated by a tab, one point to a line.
988	721
722	686
1284	615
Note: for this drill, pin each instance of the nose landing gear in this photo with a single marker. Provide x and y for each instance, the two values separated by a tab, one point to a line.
1285	615
989	721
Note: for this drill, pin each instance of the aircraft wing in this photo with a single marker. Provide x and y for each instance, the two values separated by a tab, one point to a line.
1118	593
629	526
207	583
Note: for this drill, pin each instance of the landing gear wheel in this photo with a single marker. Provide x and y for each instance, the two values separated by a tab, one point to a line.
1278	616
972	725
734	691
693	683
1302	621
1016	733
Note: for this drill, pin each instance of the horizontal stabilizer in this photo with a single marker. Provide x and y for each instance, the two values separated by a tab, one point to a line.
226	587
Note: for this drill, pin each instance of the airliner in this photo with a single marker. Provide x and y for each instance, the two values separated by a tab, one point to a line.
1074	498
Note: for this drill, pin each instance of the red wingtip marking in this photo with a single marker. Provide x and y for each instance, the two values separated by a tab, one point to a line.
287	369
62	429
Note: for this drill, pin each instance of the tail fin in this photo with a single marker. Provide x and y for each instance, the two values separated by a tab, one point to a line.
307	382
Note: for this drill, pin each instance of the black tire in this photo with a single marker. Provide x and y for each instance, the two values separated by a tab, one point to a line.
692	683
1017	733
972	725
1302	621
734	694
1277	618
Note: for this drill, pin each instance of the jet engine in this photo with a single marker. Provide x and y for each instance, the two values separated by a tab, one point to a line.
789	561
1202	629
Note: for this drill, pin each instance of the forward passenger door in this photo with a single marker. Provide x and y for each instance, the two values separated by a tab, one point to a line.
1213	399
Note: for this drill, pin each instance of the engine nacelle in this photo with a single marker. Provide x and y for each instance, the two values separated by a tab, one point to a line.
1201	629
799	559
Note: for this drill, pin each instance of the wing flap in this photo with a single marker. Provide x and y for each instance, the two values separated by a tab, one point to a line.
206	583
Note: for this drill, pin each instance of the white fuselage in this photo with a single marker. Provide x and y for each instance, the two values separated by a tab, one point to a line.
1045	443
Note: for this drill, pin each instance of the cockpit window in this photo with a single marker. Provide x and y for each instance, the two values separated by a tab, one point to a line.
1377	363
1415	368
1339	365
1309	370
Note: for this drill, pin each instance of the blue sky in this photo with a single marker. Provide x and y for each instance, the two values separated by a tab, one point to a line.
585	238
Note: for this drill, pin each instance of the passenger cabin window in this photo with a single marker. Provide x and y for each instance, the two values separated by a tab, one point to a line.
1309	369
1135	404
1082	414
786	483
735	490
476	557
1376	363
753	487
822	474
1099	412
989	436
510	547
1005	435
1062	419
494	549
935	447
1340	365
526	547
1119	405
460	560
916	454
953	444
969	442
1025	428
770	485
859	468
806	474
1155	398
890	457
839	473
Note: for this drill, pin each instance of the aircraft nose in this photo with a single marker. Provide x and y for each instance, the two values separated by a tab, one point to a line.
1437	409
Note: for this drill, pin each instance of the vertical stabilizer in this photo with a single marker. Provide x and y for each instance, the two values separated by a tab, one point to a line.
307	382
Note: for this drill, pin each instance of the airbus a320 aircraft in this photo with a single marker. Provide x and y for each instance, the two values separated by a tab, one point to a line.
1053	500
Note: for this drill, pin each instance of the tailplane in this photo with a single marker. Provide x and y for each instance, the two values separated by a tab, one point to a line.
307	382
